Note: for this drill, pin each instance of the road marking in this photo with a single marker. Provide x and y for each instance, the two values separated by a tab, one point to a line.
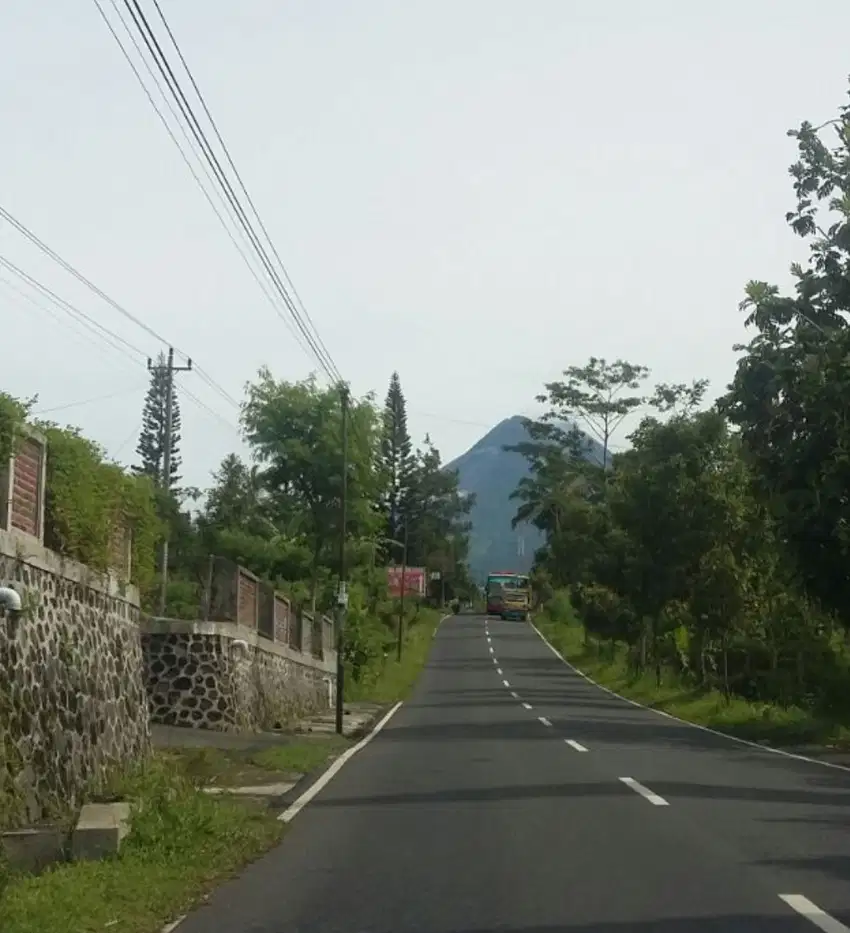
495	660
638	788
506	683
297	806
685	722
820	918
544	720
499	671
576	745
171	927
514	694
491	649
528	706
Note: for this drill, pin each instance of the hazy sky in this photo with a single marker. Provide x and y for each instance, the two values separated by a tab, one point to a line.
477	193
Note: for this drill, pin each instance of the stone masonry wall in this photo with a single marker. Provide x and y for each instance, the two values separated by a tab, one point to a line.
225	676
72	696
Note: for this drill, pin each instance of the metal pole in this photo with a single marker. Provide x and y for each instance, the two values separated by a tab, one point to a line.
165	479
342	596
166	474
401	599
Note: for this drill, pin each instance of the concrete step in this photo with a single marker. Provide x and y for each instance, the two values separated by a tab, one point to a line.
100	830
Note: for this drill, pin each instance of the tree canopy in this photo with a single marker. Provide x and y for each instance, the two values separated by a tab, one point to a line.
717	545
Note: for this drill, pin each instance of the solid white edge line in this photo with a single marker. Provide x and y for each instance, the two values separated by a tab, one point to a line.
645	792
686	722
506	683
171	927
576	745
544	720
820	918
298	805
528	706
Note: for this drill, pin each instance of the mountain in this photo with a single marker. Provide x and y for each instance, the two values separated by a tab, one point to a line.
492	474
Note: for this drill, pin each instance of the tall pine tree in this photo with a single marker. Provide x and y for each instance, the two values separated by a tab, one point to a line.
397	460
151	446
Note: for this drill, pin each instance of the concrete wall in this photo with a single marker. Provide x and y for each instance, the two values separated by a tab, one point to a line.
226	676
72	695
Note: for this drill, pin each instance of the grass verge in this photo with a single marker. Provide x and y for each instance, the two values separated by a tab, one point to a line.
394	679
182	841
235	767
765	723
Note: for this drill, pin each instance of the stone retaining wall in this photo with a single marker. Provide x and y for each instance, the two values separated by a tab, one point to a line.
226	676
72	695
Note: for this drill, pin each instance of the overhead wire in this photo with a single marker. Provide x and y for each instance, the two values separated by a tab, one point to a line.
70	309
89	401
242	185
100	332
193	147
52	254
163	65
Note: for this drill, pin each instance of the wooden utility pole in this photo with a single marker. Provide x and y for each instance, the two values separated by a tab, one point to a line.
342	594
165	478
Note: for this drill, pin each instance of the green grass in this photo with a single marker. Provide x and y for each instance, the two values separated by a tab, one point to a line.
395	679
182	841
758	722
229	767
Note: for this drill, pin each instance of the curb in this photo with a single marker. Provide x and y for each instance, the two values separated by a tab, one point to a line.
307	780
685	722
336	765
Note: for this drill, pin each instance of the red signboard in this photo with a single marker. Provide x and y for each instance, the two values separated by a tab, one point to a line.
414	581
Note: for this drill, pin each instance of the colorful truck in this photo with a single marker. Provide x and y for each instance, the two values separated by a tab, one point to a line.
508	595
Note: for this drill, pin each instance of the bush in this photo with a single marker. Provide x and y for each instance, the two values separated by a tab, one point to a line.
87	498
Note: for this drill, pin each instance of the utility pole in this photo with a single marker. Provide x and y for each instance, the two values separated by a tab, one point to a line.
401	600
342	595
165	479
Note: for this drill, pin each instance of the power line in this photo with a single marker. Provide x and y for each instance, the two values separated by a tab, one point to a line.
163	66
194	148
83	322
241	182
89	401
165	69
70	309
52	254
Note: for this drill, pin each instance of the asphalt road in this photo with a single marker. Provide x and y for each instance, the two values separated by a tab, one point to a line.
511	795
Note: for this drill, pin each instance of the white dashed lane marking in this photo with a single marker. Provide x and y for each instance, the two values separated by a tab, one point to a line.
820	918
576	745
544	720
507	684
514	694
528	706
645	792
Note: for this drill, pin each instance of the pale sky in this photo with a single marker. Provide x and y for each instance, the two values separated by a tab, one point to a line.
477	193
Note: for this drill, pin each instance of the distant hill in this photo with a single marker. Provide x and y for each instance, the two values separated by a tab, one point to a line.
492	473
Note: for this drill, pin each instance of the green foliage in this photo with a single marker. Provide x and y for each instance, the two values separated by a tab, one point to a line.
87	498
151	446
397	464
13	416
716	551
181	841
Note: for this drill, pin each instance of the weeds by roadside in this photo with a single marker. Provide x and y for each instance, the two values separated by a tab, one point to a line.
182	841
392	680
232	767
757	722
